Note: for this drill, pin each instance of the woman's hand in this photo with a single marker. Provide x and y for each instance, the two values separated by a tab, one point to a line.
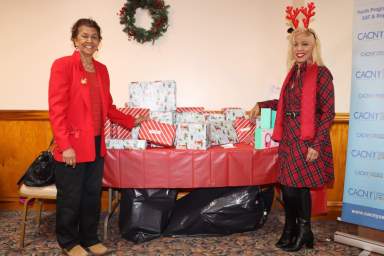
254	112
312	154
140	119
69	157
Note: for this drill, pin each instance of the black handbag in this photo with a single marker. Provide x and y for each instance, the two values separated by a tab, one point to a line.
42	170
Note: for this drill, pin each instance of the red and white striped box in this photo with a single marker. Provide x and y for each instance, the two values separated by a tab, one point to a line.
245	130
157	133
115	131
190	109
110	130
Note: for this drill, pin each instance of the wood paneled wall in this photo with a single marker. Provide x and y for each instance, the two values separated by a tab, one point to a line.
339	139
23	134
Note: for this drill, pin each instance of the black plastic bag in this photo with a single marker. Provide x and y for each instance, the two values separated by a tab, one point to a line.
220	211
144	213
41	172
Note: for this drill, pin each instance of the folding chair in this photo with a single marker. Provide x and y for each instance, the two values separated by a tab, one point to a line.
39	194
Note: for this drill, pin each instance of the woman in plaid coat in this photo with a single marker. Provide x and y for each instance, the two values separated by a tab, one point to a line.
305	112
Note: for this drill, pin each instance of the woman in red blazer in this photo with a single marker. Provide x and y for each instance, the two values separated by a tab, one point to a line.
79	104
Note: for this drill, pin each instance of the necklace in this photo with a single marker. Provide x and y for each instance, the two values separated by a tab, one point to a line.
88	64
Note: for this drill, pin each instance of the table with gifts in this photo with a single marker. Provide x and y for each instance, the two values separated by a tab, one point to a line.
179	168
188	147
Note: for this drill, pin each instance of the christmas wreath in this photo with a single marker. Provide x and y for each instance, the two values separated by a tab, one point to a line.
159	13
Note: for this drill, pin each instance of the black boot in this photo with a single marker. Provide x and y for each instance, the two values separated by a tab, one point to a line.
305	235
290	227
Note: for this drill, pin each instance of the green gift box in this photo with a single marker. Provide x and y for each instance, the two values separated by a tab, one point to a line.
263	138
266	118
273	118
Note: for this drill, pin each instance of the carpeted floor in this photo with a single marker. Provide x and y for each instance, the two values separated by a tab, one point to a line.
259	242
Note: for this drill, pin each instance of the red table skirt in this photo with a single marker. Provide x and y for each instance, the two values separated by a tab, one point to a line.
215	167
173	168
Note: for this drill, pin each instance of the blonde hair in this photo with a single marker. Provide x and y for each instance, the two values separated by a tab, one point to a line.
316	54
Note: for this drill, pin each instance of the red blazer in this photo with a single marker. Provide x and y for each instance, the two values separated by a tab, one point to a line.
70	108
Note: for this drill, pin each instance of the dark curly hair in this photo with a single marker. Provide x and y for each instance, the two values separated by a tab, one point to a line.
84	22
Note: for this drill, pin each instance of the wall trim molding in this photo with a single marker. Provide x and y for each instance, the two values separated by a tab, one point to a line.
24	115
42	115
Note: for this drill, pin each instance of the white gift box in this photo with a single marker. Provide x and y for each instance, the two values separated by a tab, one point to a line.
126	144
191	136
220	133
167	117
232	114
189	117
157	95
214	117
135	133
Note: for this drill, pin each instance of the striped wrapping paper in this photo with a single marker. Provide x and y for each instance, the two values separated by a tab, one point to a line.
190	109
110	130
245	130
115	131
157	133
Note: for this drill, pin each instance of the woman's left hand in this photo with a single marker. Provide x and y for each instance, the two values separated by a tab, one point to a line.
312	154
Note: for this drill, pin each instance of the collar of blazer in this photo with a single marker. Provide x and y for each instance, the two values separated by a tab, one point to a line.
83	80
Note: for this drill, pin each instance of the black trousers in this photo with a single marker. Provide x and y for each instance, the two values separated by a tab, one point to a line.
78	201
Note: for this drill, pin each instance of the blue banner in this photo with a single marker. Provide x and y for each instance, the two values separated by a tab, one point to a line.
363	200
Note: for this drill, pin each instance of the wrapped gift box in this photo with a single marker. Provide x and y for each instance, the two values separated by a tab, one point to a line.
245	130
191	136
115	131
110	130
220	133
189	117
123	133
126	144
263	138
267	118
157	95
232	113
157	133
135	133
214	116
167	117
190	109
273	118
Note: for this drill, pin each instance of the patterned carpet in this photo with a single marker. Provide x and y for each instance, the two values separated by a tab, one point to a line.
259	242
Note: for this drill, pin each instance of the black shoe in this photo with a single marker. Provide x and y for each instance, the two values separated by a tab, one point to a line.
304	237
287	238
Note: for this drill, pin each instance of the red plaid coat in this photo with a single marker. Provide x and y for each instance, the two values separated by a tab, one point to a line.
294	170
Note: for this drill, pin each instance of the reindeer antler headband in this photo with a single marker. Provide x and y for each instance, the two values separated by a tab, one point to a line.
292	15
